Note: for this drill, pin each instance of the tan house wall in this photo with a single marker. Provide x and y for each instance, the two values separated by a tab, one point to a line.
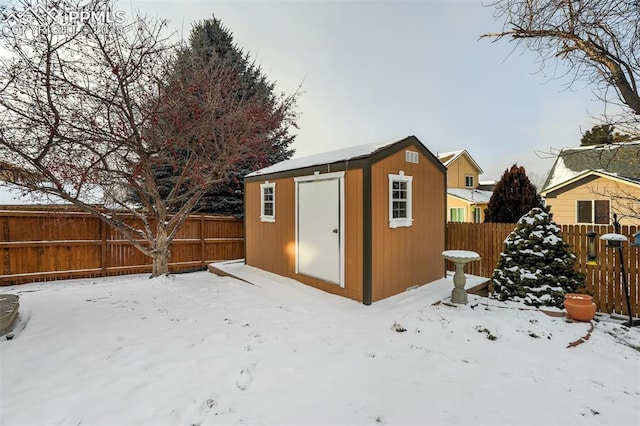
271	246
564	204
453	202
458	170
407	256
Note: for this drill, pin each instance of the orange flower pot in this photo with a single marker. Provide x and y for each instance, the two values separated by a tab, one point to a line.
580	307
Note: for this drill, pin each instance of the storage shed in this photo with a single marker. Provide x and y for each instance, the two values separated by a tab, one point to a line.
365	222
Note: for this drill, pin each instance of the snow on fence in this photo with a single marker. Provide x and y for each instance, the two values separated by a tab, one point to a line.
43	246
603	279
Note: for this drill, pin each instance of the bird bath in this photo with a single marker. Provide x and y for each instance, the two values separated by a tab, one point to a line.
460	258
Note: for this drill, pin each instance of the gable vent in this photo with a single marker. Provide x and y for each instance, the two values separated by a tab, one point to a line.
411	156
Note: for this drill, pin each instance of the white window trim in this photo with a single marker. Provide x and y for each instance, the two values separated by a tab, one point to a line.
473	214
464	214
401	222
264	217
411	156
578	212
593	212
473	181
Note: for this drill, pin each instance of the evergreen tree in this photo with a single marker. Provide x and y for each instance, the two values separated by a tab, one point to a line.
513	196
603	134
536	265
211	45
598	135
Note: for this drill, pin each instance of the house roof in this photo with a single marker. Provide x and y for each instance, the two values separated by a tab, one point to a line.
14	195
11	195
620	160
487	185
341	155
587	175
471	195
447	158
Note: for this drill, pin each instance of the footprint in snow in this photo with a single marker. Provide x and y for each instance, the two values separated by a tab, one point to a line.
245	379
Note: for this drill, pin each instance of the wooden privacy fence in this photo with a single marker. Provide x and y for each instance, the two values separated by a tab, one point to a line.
42	246
602	279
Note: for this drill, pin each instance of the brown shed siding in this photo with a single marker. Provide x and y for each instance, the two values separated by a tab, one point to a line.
407	256
271	246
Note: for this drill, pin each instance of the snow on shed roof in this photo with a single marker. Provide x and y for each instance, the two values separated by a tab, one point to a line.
344	154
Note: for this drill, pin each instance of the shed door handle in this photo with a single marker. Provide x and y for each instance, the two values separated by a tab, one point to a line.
335	231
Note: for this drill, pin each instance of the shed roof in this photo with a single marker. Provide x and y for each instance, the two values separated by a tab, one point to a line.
618	160
337	156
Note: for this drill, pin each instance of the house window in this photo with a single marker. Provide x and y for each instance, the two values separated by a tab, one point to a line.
468	182
400	194
476	214
268	202
456	214
593	211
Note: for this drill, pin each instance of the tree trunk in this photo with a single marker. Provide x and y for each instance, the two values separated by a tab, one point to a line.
160	254
160	264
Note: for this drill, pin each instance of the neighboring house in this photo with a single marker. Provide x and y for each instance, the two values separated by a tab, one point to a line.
11	195
467	197
365	222
487	185
588	184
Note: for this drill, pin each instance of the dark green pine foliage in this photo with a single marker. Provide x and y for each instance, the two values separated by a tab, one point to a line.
603	134
513	196
212	44
536	266
598	135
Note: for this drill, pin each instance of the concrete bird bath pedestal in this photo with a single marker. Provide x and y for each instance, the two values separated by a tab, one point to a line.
460	258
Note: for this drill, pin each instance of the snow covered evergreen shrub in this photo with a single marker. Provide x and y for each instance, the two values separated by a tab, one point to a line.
536	265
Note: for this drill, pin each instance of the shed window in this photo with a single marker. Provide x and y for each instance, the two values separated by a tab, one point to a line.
268	202
411	157
593	211
456	214
468	181
400	194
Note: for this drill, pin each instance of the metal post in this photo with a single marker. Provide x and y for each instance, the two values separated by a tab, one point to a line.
616	227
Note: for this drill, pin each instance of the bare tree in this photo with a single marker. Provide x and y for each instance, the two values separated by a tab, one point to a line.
596	40
88	113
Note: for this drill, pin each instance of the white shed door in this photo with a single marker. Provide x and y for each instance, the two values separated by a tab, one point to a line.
319	233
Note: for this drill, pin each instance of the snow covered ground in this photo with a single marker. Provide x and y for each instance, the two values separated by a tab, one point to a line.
197	349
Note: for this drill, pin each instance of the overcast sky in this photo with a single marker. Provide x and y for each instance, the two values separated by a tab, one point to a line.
375	71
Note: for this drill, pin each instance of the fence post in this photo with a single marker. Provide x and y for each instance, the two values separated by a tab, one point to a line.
202	247
103	247
6	253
